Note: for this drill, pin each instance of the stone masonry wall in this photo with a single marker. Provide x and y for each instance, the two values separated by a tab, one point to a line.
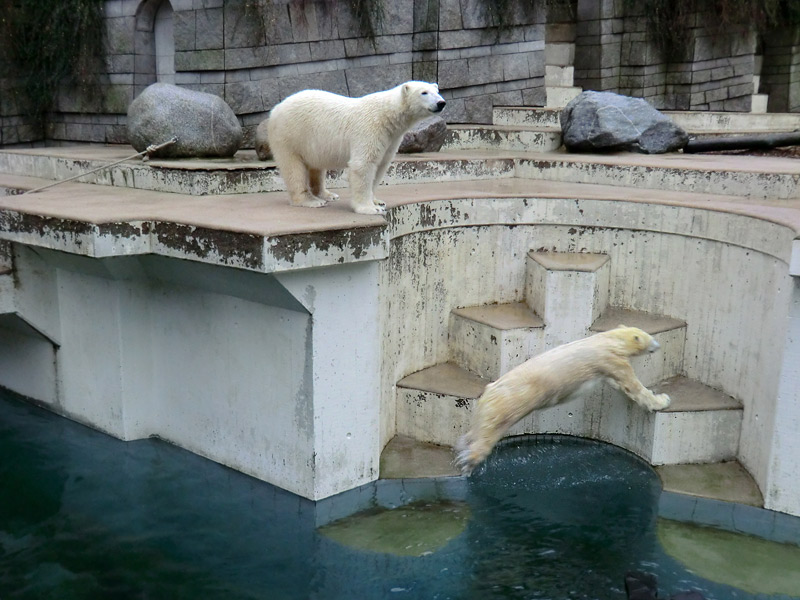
615	52
254	53
780	73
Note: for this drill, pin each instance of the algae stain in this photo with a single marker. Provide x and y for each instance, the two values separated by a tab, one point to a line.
415	529
745	562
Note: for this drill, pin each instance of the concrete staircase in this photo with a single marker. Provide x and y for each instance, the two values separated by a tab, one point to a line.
538	129
566	298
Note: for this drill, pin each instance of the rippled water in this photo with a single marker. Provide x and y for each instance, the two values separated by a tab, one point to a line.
84	516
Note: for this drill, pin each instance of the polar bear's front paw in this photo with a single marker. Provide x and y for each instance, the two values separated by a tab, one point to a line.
379	203
662	401
370	210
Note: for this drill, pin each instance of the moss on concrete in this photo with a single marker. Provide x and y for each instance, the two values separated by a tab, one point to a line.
412	530
745	562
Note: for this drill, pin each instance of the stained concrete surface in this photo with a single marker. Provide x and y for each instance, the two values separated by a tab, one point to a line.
502	316
405	457
727	481
755	565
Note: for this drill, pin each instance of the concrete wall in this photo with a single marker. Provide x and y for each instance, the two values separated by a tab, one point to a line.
658	257
226	363
783	486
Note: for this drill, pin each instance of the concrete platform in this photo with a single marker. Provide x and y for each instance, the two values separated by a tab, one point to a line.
124	281
727	481
404	457
502	316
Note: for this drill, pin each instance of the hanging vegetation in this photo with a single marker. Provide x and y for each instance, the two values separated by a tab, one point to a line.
45	44
670	22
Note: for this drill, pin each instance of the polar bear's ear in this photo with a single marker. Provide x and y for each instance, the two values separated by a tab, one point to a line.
621	325
406	88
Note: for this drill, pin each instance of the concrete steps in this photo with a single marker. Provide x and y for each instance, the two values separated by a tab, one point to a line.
694	122
519	138
491	340
527	116
435	404
727	481
669	332
492	157
404	457
566	298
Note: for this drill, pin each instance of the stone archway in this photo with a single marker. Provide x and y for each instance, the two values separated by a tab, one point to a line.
154	44
164	43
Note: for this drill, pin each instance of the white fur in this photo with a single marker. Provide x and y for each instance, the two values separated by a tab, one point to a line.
553	377
313	131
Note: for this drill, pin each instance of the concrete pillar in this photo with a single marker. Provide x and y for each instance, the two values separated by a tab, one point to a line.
345	373
783	481
568	290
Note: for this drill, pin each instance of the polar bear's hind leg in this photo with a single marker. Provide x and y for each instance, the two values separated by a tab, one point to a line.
296	177
316	182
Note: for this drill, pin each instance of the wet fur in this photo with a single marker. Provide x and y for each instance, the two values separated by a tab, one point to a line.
552	377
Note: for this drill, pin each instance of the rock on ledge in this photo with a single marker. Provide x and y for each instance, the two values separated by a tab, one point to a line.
604	121
425	136
203	123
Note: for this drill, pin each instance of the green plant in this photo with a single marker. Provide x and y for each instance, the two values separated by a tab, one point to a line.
45	44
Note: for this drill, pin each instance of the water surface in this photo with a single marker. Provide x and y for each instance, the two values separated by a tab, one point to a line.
85	516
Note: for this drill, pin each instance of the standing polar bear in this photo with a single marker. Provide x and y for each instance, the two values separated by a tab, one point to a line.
313	131
552	377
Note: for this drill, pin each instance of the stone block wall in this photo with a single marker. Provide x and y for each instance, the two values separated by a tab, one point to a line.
254	53
780	73
615	52
483	53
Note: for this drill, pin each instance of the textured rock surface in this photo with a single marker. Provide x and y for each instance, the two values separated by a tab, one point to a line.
425	136
203	123
604	121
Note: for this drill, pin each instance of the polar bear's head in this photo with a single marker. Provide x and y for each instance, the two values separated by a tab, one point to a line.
422	97
634	341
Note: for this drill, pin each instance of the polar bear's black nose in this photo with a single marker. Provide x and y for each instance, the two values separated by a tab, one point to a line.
440	105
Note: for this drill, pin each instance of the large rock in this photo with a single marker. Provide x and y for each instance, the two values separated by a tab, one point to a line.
604	121
425	136
203	123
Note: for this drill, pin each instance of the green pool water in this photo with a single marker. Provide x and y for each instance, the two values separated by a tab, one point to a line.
84	516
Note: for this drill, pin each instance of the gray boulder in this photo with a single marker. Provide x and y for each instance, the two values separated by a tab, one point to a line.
425	136
203	123
604	121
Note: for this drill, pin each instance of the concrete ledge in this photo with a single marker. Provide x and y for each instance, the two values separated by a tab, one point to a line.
502	316
501	137
652	324
730	516
528	116
676	172
746	176
582	262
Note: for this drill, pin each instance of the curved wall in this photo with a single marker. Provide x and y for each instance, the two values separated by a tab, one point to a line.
725	274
